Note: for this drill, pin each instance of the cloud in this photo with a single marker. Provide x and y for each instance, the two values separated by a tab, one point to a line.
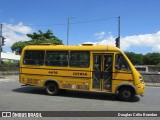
20	28
156	48
100	35
14	33
143	40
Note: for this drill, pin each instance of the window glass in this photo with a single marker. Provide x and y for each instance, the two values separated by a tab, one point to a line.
97	63
33	57
121	63
140	69
79	59
108	62
56	58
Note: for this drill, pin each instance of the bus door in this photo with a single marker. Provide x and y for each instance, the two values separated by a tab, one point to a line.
102	72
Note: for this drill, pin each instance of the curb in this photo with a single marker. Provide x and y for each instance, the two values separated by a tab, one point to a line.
153	84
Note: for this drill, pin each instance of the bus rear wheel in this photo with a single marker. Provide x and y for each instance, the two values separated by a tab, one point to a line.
52	89
126	93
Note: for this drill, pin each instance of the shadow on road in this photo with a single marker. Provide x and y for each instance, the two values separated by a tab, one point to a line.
73	94
30	90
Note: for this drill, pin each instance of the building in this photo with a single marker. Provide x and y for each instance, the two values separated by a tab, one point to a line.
148	69
11	57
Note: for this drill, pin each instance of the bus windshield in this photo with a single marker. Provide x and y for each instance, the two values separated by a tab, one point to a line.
121	63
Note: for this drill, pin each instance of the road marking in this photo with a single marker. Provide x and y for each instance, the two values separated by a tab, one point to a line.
7	80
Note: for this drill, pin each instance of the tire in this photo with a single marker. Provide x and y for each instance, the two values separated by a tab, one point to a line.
126	93
52	89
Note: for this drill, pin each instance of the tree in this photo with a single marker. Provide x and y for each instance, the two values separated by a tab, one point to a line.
136	59
18	46
46	36
152	59
36	38
148	59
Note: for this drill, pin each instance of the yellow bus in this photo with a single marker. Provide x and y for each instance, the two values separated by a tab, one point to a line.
85	68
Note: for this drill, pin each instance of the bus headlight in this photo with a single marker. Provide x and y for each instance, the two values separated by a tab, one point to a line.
141	79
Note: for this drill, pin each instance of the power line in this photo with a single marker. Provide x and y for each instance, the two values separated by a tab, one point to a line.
60	24
87	21
95	20
64	24
10	28
79	22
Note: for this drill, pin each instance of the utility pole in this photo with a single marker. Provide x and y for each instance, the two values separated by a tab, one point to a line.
68	29
0	41
118	38
119	30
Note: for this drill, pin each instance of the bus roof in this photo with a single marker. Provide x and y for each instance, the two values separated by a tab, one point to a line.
78	48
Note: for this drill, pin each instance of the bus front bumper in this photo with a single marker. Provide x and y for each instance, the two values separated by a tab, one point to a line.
141	89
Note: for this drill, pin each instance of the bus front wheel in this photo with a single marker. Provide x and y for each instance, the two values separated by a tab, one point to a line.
126	93
52	89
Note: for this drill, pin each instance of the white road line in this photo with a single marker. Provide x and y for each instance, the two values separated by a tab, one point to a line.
7	80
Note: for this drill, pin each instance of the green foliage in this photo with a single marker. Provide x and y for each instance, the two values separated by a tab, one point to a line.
18	46
152	58
148	59
9	66
37	38
136	59
158	65
43	36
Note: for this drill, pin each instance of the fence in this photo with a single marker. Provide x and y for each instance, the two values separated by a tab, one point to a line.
152	79
8	73
9	69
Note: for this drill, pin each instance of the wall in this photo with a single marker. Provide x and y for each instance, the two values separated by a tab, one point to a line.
8	73
151	78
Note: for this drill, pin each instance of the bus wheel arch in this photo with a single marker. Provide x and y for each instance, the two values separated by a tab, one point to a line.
126	92
52	87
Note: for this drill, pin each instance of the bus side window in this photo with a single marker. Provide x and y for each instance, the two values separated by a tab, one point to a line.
56	58
33	57
79	59
121	63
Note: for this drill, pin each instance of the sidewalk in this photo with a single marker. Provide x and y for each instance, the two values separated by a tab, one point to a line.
153	84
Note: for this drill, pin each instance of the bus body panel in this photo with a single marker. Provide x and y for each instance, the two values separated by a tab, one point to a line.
77	78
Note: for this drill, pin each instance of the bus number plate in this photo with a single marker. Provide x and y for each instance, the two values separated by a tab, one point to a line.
32	81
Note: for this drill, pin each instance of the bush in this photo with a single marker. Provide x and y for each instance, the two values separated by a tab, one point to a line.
8	66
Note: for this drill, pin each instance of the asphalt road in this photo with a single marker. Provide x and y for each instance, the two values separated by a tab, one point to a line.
14	97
